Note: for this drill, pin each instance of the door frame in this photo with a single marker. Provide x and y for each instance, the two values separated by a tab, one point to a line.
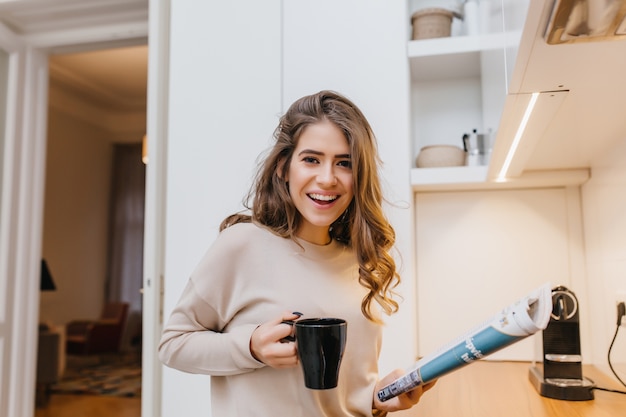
20	244
156	193
21	223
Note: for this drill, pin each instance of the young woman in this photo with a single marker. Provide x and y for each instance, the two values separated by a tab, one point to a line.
317	242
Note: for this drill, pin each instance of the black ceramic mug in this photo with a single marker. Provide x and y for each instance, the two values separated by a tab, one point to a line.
320	343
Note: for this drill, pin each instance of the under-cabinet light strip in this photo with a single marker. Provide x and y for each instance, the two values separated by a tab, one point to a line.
518	136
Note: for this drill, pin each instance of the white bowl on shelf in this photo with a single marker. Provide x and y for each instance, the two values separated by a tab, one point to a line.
440	156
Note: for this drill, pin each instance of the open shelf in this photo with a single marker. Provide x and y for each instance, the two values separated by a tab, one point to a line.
447	176
454	57
458	83
474	178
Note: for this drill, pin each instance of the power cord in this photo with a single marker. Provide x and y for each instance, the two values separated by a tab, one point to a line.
616	391
621	311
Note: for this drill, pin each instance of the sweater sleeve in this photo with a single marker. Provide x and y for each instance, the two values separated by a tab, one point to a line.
194	339
188	345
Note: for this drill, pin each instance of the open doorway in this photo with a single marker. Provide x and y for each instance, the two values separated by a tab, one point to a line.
30	32
94	213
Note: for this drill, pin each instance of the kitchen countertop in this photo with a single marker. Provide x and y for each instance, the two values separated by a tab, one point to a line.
498	389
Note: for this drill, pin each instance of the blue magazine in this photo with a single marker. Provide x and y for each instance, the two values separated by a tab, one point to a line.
514	323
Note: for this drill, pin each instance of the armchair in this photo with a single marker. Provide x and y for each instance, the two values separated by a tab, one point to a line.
85	337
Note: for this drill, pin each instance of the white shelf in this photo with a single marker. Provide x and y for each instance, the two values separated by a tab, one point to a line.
454	57
461	44
447	176
475	178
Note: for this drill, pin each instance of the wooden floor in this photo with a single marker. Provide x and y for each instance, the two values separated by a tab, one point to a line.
90	406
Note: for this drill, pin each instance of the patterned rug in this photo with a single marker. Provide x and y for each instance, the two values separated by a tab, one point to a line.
116	375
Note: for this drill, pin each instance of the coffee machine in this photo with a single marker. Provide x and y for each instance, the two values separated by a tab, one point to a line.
560	374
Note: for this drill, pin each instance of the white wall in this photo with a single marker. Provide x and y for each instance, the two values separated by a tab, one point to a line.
225	100
604	209
479	251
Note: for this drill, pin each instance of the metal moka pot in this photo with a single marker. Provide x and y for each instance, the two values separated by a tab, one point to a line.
478	147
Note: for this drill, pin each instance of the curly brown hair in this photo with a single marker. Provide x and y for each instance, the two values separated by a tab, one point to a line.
363	226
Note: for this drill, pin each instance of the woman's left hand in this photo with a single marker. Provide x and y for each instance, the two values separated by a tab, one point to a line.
402	401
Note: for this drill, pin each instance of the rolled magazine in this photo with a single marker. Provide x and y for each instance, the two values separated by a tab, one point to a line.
514	323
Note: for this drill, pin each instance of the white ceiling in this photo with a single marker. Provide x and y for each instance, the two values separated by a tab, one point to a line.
112	77
44	16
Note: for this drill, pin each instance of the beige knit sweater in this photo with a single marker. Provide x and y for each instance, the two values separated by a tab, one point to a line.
250	276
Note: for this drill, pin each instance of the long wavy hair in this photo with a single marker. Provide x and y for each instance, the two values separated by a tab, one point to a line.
363	226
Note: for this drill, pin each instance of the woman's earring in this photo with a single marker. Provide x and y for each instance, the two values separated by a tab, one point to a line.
344	217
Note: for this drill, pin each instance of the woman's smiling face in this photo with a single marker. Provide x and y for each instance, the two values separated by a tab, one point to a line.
320	180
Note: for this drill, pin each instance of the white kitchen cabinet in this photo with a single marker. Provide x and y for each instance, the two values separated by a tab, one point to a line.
458	84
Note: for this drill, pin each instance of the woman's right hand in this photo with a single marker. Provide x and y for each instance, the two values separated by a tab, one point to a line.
266	345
